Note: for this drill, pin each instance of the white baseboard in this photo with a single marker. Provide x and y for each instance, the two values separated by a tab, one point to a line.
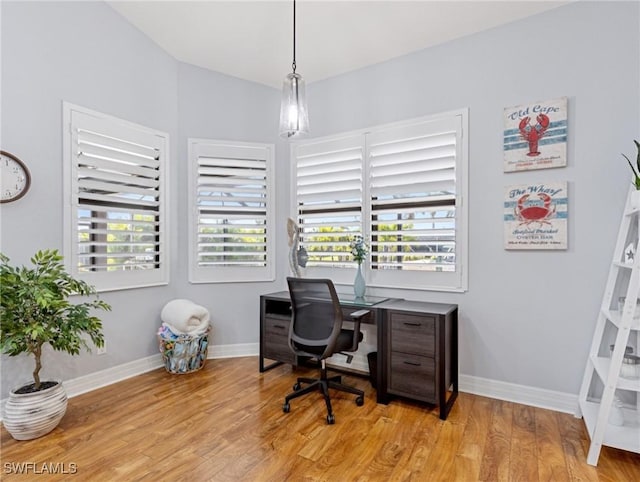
536	397
87	383
234	351
109	376
512	392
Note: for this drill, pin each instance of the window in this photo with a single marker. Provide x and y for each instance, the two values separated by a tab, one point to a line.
329	194
231	211
404	186
115	190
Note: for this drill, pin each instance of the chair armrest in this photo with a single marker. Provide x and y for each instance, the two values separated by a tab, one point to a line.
357	317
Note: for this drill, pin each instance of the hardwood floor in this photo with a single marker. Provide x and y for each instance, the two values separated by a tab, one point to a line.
225	423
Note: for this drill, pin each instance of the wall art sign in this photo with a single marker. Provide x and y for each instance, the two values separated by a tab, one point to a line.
535	135
535	216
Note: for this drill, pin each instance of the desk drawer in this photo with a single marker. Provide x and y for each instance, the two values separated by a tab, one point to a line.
277	325
413	334
276	347
413	376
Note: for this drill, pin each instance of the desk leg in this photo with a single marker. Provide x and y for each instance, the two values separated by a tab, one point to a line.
381	380
381	391
382	399
446	405
264	368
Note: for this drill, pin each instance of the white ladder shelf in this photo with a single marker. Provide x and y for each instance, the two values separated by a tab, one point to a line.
602	383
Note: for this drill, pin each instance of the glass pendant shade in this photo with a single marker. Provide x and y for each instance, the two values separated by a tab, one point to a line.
294	118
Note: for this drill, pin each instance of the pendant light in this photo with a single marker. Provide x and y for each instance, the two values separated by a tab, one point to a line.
294	118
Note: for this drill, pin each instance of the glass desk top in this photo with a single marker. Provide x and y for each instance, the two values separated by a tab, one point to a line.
347	299
350	299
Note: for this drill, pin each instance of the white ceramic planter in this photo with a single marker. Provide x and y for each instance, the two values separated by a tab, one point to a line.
634	201
32	415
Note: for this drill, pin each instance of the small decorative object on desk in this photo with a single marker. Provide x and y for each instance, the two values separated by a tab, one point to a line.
359	286
359	250
298	256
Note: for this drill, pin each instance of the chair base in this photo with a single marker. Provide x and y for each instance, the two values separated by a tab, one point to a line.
322	384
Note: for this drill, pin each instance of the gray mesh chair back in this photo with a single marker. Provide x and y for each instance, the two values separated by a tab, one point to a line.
317	317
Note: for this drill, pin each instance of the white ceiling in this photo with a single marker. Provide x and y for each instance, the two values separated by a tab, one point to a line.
253	39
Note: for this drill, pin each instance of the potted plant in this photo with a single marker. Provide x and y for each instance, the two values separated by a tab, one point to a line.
635	195
35	309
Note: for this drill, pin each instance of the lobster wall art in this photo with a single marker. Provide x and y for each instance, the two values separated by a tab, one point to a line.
535	135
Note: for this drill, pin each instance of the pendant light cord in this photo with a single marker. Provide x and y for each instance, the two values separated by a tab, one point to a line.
293	65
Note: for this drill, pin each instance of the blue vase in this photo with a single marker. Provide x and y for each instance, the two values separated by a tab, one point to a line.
359	286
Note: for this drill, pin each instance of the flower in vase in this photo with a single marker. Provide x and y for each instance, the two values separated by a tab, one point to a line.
359	249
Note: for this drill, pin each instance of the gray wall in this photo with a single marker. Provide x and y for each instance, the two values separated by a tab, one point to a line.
84	53
527	318
87	54
216	106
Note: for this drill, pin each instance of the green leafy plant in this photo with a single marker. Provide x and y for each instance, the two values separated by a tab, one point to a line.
636	169
35	309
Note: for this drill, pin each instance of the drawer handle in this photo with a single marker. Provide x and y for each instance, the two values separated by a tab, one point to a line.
412	324
279	327
412	363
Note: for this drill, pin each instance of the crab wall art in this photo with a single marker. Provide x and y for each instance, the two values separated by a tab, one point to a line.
529	211
535	216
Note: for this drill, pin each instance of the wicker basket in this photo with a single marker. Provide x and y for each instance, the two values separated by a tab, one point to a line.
184	354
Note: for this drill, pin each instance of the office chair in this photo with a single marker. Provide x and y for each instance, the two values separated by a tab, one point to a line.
316	331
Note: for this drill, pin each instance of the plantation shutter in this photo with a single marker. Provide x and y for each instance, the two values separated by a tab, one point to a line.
329	198
413	196
232	209
117	195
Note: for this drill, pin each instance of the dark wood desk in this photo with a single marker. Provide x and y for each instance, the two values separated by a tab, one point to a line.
417	345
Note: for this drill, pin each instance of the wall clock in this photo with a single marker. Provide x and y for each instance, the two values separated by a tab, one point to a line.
14	176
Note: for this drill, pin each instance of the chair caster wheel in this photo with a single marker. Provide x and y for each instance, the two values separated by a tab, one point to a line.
286	407
296	387
359	401
331	419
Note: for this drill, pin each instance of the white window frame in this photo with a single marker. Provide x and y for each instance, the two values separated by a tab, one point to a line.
420	280
249	151
75	117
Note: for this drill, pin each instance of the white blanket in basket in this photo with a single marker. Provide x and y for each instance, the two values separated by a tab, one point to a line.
184	317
